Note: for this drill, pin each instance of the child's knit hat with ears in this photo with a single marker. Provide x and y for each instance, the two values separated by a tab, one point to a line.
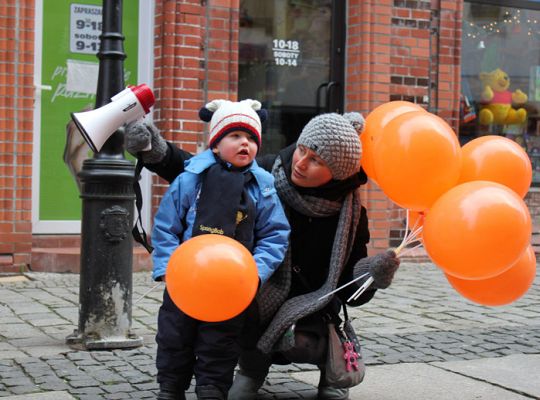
227	116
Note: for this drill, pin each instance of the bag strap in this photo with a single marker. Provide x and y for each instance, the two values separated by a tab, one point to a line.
139	236
345	314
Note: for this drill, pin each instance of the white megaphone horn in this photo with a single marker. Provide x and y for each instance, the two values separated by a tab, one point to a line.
129	105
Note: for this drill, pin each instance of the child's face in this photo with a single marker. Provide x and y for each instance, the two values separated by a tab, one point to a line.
238	147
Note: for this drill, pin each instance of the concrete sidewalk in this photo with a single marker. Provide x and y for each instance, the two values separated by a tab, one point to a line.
505	378
421	340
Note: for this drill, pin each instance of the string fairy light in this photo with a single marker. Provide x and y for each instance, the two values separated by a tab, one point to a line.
495	27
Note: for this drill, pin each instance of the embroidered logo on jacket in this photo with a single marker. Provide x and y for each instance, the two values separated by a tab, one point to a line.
209	229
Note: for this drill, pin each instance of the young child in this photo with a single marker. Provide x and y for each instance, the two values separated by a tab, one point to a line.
221	190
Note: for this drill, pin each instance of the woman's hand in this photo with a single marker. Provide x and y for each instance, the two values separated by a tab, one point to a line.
139	135
380	267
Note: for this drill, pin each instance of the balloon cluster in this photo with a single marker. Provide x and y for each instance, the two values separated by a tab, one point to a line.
466	203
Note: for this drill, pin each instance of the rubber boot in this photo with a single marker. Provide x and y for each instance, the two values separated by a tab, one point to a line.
330	393
244	387
326	392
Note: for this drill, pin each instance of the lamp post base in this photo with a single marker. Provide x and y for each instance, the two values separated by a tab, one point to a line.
80	342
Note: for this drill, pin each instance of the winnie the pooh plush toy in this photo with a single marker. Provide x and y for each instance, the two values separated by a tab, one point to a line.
497	100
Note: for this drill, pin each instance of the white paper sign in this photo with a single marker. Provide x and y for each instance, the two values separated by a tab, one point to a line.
85	28
82	76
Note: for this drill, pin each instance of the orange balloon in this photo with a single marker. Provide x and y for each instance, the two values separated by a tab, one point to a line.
212	277
501	289
497	159
417	159
477	230
375	123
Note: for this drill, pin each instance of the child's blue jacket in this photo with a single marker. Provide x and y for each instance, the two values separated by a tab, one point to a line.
271	233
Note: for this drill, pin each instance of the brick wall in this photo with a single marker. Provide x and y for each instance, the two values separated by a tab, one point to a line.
367	80
401	50
449	61
16	107
196	60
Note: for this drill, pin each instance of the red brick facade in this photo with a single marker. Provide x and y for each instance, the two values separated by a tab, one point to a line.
16	131
193	64
396	49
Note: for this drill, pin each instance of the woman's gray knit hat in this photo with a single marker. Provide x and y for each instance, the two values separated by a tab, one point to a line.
336	139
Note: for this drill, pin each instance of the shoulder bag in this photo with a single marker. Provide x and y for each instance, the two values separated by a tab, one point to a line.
345	366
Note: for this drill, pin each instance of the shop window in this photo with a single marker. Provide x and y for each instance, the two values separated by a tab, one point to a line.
500	91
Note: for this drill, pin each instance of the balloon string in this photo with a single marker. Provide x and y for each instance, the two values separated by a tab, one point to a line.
415	241
362	289
411	235
147	293
406	230
406	236
410	249
343	286
411	239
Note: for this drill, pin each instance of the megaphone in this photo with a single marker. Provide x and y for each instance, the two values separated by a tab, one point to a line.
129	105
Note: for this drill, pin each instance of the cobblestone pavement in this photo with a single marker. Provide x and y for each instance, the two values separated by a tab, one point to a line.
420	318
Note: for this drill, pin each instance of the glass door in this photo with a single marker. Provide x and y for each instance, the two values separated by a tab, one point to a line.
291	59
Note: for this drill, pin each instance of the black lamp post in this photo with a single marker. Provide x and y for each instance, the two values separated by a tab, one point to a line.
107	215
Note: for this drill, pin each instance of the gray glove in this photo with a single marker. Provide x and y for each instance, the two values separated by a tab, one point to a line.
381	267
137	137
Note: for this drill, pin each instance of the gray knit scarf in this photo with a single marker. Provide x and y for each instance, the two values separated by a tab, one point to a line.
307	205
274	293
